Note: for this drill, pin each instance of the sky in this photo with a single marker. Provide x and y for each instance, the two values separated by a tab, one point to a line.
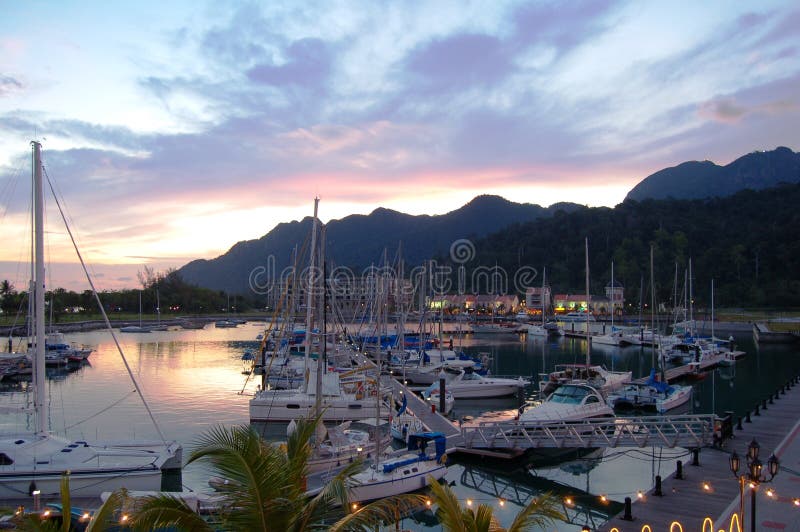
172	130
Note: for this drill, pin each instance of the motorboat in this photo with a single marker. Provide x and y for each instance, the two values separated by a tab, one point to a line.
652	394
597	376
569	402
466	384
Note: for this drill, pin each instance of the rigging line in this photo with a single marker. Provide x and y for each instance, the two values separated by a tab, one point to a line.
84	420
105	316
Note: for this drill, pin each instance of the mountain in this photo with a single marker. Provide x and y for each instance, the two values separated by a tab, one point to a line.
697	180
358	241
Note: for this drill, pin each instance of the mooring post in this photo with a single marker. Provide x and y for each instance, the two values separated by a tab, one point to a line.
657	490
695	457
627	516
679	470
747	417
739	423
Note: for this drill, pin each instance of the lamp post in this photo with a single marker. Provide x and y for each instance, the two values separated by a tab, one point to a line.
752	475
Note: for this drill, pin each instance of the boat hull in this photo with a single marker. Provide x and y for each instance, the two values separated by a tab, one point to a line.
266	408
382	486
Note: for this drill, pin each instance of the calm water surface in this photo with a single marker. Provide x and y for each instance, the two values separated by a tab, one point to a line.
193	380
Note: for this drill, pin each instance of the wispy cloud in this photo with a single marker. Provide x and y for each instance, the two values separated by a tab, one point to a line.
212	124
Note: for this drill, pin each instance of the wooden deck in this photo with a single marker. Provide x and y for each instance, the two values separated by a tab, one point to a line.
687	370
689	502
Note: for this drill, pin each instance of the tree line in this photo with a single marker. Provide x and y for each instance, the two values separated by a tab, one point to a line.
166	292
747	243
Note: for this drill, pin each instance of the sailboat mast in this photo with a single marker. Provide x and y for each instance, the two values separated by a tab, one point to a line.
588	334
656	342
613	296
38	289
544	274
310	291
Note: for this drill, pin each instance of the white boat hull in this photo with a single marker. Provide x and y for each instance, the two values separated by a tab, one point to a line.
280	407
375	485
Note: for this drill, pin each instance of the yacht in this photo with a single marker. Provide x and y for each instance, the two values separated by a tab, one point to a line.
466	384
569	402
597	376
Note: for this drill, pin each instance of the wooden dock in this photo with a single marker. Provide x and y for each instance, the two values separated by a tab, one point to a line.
706	362
709	488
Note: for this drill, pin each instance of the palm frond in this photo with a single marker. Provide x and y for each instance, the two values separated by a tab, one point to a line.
449	512
387	510
105	516
167	511
541	511
66	504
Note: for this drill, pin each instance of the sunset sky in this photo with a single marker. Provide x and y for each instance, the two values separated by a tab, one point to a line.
175	129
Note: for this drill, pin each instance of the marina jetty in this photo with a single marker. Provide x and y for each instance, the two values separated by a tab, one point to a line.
706	488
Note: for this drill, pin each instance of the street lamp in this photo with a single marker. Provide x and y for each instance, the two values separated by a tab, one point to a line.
753	475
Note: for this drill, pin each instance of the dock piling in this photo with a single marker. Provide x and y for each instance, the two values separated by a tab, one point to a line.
627	516
679	470
739	423
657	491
695	457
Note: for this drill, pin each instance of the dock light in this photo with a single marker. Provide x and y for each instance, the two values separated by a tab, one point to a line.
469	502
568	501
428	503
502	502
585	528
796	502
603	499
770	493
354	506
706	486
640	494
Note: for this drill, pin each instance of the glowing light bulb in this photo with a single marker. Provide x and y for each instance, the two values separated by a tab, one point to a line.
640	494
568	501
603	498
502	502
770	493
428	503
469	502
355	506
706	486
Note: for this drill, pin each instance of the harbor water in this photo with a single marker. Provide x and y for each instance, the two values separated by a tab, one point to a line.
193	380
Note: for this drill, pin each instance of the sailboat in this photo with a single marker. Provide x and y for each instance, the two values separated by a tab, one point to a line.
599	377
323	391
35	461
615	336
416	469
136	328
543	329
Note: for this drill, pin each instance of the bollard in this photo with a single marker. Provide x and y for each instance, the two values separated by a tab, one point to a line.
657	490
771	401
679	471
747	417
756	412
764	404
739	423
627	516
695	457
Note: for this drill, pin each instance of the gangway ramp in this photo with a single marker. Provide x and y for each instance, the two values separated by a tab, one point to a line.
432	420
688	431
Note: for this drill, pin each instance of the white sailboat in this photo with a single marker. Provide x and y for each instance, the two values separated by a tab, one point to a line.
614	337
603	380
136	328
322	391
36	461
543	329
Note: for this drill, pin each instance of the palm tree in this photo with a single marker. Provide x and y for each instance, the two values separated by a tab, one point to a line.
266	489
453	517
